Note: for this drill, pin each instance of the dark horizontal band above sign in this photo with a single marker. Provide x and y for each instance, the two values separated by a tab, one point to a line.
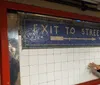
47	11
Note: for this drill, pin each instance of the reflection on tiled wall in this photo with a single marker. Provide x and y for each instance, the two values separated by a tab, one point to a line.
57	66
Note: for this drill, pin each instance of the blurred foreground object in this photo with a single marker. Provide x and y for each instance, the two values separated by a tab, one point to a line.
95	69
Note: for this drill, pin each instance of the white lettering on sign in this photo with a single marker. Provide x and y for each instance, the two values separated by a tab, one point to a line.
56	28
90	32
68	30
50	29
44	28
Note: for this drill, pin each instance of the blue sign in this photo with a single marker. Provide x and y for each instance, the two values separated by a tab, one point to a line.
44	32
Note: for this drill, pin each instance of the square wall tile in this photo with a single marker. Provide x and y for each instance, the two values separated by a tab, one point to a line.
65	81
96	55
25	52
81	56
25	80
87	56
71	81
71	73
42	78
43	83
57	66
70	50
70	65
57	58
75	50
63	57
50	76
42	59
57	75
42	68
98	49
50	58
76	64
42	51
34	69
82	64
76	79
33	60
63	50
82	50
57	82
65	74
33	52
34	79
70	57
51	83
50	51
97	61
93	55
24	71
24	60
50	68
57	50
64	66
76	56
76	72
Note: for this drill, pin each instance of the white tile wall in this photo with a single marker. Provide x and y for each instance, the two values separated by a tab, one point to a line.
57	66
42	59
51	83
33	69
24	71
50	68
42	78
34	79
25	80
50	76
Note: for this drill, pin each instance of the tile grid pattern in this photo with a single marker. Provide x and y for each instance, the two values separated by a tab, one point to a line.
57	66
